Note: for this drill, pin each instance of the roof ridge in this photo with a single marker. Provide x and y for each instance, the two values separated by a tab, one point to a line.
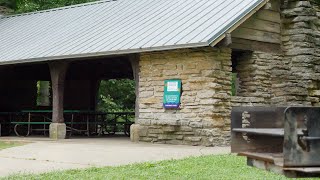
58	8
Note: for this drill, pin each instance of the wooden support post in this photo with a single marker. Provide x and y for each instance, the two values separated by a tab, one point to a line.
225	42
58	73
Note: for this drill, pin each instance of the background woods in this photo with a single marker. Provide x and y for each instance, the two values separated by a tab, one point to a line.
22	6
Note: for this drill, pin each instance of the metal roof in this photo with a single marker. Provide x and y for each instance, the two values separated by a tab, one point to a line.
117	27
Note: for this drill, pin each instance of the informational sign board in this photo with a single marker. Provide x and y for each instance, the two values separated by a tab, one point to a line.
172	94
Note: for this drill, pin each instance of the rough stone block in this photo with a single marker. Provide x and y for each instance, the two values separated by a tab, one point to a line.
193	139
58	131
184	133
303	4
142	121
176	142
151	100
315	93
142	130
179	137
146	139
163	121
146	94
166	137
153	135
186	129
155	131
169	128
196	124
134	132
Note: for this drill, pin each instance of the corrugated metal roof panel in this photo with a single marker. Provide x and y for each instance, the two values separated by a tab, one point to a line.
117	27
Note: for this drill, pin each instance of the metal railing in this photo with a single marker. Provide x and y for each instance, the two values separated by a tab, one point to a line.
87	123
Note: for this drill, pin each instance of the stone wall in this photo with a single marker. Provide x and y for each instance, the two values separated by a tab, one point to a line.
255	72
300	43
204	117
290	78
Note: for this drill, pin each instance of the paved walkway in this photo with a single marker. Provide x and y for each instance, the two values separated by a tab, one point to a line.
43	155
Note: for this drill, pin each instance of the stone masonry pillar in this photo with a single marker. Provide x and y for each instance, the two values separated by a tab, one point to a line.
134	129
205	111
300	39
58	73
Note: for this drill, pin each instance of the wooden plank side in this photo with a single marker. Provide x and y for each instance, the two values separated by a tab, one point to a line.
268	15
303	169
297	152
243	44
268	157
260	117
262	25
256	35
261	131
273	5
265	131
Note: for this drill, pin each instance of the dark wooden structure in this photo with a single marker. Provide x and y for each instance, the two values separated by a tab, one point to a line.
279	139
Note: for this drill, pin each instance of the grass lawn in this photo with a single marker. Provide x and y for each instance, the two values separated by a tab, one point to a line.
205	167
7	144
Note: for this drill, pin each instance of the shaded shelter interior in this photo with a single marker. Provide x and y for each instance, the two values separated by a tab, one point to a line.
19	82
19	87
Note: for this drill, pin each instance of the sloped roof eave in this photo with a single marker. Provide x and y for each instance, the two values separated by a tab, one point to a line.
107	53
119	27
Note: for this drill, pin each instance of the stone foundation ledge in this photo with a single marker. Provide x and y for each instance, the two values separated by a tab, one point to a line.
248	101
180	135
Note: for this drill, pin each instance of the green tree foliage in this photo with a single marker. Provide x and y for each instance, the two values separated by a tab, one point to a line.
116	95
23	6
12	4
43	93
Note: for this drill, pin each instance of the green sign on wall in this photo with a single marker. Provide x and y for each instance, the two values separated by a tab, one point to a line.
172	94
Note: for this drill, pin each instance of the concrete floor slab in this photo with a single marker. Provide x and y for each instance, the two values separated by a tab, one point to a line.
43	155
